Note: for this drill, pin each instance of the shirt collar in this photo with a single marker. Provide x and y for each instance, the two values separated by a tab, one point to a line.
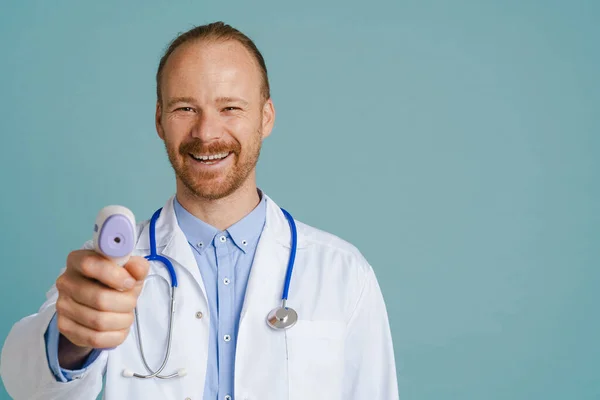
244	233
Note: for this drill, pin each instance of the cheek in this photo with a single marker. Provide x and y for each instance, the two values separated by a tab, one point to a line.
244	131
174	132
177	125
236	125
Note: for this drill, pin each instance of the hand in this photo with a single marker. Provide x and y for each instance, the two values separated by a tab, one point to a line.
96	301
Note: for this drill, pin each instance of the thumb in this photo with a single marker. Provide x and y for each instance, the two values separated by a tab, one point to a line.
137	267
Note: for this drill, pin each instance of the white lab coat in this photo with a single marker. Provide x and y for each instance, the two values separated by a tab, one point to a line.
341	347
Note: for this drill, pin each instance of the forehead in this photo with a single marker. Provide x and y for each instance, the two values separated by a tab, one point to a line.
211	68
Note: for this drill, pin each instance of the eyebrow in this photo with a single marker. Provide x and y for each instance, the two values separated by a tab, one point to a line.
231	100
218	100
176	100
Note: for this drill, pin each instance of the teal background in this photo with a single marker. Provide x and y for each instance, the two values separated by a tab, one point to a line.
455	143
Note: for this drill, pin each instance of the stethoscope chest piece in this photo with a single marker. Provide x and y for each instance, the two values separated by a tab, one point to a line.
282	318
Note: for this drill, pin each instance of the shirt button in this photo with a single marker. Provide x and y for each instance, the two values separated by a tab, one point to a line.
199	314
199	244
223	239
226	281
228	397
227	338
245	242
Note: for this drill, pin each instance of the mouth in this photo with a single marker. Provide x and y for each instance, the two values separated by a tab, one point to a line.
210	159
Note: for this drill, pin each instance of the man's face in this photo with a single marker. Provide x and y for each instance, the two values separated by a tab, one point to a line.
212	117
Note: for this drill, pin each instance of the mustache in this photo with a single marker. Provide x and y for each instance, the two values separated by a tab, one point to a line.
197	146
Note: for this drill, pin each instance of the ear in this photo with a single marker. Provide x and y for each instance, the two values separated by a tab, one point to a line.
157	121
268	118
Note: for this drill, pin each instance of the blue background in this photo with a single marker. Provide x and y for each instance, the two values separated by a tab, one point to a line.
455	143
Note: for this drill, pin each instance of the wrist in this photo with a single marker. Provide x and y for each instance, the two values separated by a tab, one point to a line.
71	356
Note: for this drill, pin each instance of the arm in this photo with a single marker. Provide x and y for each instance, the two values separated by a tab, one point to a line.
370	370
74	361
24	365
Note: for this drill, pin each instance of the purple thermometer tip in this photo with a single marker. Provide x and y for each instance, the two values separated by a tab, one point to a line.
116	239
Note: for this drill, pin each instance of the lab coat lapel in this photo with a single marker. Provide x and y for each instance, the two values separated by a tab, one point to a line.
172	243
267	276
261	351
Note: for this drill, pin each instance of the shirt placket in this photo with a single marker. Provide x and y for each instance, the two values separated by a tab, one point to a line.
225	294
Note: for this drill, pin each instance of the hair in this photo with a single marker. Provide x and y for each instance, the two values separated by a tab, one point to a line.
216	31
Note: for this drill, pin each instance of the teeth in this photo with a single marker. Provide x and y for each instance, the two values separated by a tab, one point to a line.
210	157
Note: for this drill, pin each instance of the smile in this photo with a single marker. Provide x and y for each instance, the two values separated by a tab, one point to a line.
210	158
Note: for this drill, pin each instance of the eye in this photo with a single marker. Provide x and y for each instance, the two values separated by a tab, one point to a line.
185	109
231	108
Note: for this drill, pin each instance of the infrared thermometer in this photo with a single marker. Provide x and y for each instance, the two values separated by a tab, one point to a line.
114	233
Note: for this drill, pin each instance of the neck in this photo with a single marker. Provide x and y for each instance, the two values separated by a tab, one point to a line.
221	213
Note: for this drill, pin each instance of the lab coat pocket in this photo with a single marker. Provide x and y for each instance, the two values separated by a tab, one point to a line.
315	360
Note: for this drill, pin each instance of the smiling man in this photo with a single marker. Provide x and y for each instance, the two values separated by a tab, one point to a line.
213	111
231	247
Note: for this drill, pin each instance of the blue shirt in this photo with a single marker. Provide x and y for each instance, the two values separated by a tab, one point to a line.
224	259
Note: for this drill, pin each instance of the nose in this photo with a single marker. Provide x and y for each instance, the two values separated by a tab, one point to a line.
207	126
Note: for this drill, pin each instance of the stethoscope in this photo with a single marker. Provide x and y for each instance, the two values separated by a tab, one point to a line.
279	318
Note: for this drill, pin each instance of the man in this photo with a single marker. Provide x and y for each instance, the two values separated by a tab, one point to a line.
229	244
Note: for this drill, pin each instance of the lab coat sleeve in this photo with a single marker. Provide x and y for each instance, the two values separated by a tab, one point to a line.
370	370
51	337
24	365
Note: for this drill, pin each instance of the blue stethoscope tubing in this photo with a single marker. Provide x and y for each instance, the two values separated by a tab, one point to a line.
279	318
292	258
153	256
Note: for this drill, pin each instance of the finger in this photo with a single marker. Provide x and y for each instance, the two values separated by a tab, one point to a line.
137	267
94	294
95	266
82	336
101	321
